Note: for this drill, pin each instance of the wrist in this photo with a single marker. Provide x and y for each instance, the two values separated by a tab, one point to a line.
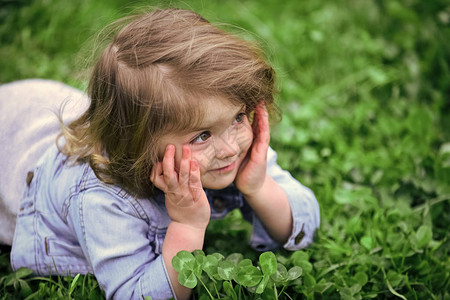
182	236
192	228
258	192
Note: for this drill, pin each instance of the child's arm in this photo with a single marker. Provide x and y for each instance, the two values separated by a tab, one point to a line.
266	197
187	207
272	207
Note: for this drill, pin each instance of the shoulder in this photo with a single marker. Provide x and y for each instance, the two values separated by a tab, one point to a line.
30	125
271	156
75	188
109	199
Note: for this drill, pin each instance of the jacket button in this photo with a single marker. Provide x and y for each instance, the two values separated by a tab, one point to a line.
218	204
300	236
260	247
30	176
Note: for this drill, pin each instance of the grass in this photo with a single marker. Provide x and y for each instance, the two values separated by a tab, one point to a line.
364	90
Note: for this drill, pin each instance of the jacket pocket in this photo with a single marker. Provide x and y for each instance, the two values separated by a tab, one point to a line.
28	202
23	252
64	257
57	247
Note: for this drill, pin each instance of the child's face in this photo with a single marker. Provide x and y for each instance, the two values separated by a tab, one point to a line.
219	145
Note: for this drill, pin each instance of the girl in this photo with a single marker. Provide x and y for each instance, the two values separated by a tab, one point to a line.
176	133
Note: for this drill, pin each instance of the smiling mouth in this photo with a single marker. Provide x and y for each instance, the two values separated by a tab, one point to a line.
226	168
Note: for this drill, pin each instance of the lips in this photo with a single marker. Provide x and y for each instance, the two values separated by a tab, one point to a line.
227	168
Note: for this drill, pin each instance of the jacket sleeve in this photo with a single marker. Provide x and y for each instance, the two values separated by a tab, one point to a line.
304	207
119	242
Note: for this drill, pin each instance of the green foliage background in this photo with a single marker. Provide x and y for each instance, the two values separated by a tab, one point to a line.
365	95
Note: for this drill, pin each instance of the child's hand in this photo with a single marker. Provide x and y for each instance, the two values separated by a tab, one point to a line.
186	201
252	171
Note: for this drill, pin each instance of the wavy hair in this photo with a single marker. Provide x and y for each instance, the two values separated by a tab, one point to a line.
148	81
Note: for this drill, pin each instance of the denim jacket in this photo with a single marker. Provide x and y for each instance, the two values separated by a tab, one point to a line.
70	222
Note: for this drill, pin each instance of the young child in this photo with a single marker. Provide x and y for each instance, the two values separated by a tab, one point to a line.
176	133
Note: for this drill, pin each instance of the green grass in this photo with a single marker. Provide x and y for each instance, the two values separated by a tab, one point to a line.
364	90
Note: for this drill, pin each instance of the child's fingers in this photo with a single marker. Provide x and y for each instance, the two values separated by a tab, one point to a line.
195	183
261	130
157	177
183	174
168	168
263	124
185	195
156	172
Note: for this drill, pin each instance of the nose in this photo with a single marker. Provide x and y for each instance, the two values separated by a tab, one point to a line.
226	145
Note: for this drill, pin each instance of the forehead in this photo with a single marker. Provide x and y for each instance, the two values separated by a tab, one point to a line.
215	111
205	113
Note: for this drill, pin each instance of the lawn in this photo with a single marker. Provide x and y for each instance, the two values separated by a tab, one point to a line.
365	95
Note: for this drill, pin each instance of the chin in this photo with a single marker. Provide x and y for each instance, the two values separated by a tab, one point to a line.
217	183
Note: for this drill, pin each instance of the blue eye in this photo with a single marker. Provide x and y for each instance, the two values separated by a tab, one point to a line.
239	118
202	137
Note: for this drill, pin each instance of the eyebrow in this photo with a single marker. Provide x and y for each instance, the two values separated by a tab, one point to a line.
208	125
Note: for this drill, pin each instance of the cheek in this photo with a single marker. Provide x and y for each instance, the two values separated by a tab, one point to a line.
203	157
245	137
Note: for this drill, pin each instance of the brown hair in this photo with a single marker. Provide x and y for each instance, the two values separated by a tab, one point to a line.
146	83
